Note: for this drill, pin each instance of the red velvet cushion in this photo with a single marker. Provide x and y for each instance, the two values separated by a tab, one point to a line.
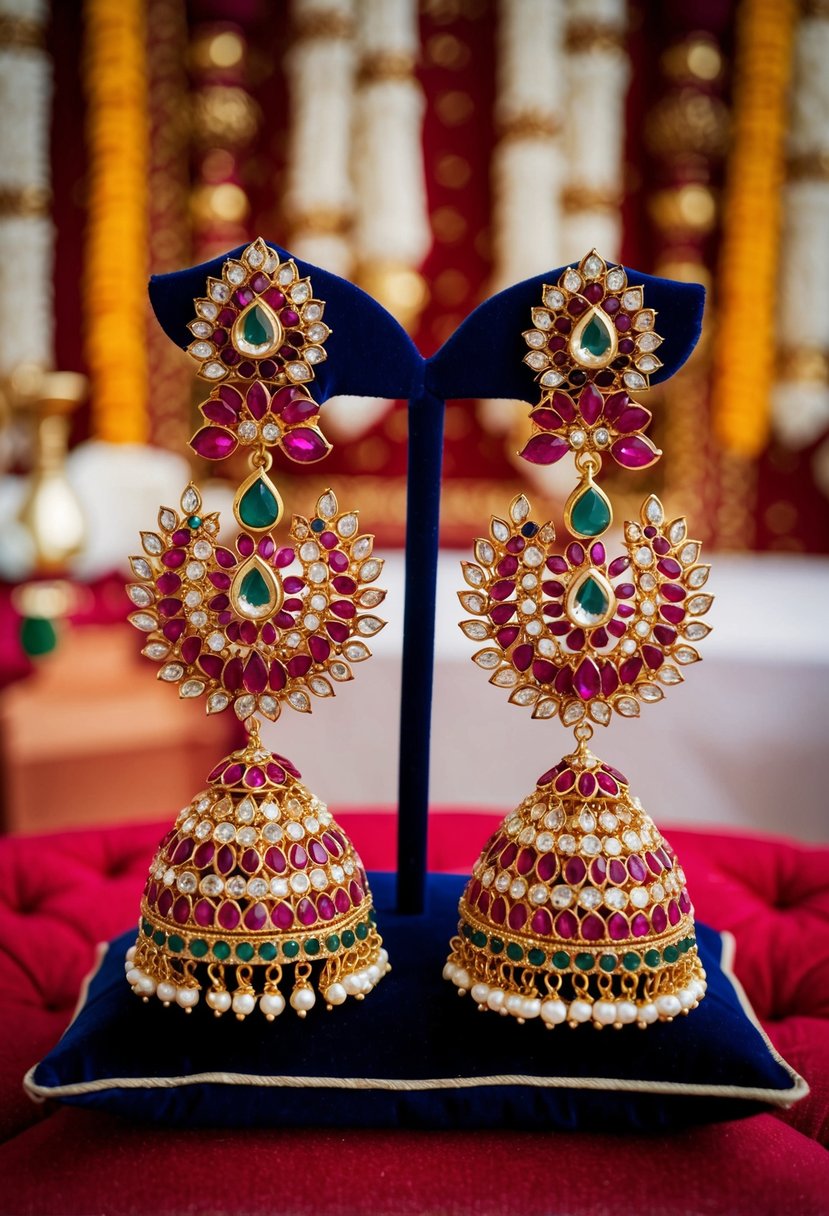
59	895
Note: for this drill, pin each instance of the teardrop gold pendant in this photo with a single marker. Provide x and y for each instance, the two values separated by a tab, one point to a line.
587	512
258	504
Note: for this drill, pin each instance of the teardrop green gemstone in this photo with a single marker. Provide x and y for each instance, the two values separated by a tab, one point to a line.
258	507
256	327
37	635
594	339
254	592
590	514
592	599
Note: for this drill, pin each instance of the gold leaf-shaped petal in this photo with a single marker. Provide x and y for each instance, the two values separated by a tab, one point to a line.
473	574
524	694
488	659
476	631
473	602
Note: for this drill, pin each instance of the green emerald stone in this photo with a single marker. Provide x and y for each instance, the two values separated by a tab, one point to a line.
312	946
373	916
221	950
584	961
195	521
254	591
467	931
198	948
147	928
592	599
332	943
258	507
561	960
159	937
362	931
685	944
590	515
257	329
631	962
175	943
479	940
244	951
607	962
670	954
536	958
652	958
595	339
37	635
348	939
267	951
496	945
515	952
290	949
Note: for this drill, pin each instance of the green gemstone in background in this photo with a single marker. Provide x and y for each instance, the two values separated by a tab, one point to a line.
591	598
348	939
267	951
221	950
195	521
631	962
175	943
362	931
37	635
254	590
652	958
536	958
159	937
332	943
608	962
584	961
594	338
496	945
670	954
290	949
198	948
258	507
479	940
257	328
312	946
590	515
515	952
561	960
244	951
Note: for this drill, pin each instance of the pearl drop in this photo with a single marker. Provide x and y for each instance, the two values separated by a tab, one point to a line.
553	1012
351	984
515	1005
133	975
272	1004
130	954
336	994
303	999
668	1006
166	992
604	1012
496	999
479	993
532	1007
686	998
449	971
187	997
461	978
580	1011
626	1012
218	1000
648	1014
243	1003
146	985
374	974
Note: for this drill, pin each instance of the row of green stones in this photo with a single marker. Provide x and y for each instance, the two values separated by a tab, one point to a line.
561	960
267	951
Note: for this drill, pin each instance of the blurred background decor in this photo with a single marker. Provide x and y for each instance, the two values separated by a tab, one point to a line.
433	151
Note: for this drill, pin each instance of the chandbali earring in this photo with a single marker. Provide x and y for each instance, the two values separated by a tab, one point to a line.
256	887
577	909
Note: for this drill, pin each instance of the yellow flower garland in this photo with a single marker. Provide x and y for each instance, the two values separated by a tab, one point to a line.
744	352
116	235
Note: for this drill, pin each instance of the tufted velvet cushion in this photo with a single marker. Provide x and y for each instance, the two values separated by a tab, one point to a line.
59	895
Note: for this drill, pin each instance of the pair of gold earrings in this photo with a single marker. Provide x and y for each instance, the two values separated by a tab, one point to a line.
576	910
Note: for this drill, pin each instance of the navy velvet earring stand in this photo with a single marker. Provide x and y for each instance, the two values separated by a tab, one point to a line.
369	354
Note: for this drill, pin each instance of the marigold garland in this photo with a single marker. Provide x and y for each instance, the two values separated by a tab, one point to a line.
116	235
744	353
